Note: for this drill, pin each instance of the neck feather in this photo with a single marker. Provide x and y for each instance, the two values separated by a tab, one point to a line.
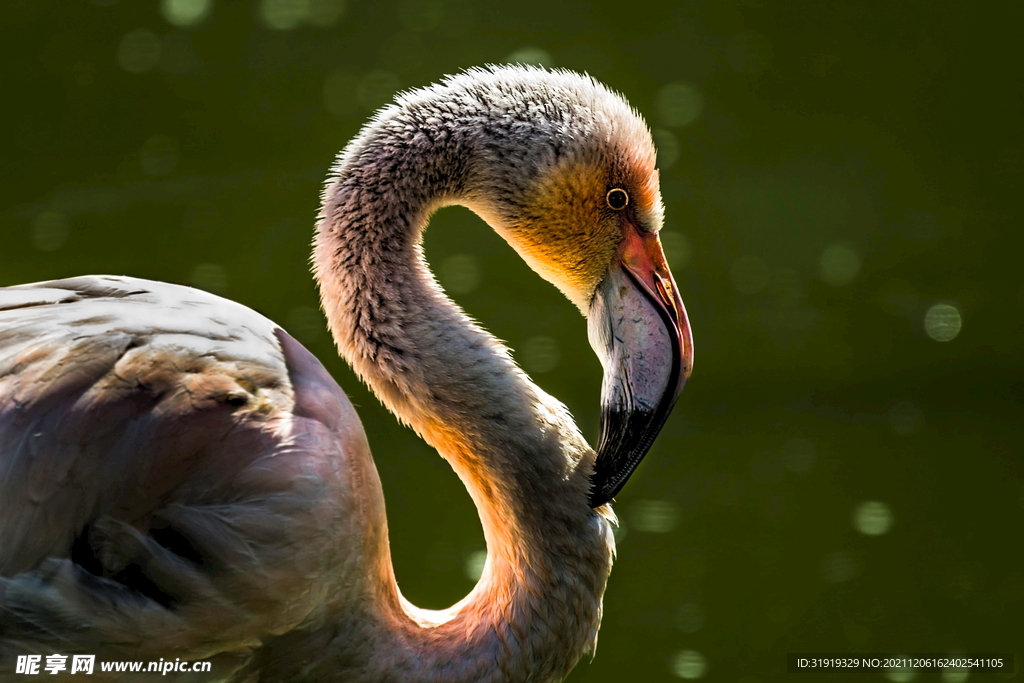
537	606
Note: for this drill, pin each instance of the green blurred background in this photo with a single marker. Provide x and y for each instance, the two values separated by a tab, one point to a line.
842	180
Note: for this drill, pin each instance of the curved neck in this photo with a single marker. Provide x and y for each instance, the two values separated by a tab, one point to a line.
537	606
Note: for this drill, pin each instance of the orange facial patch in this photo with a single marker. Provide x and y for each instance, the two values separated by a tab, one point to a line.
566	231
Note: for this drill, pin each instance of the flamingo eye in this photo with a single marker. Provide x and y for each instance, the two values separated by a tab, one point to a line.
617	198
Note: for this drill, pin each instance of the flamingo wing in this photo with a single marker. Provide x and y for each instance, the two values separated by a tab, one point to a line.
175	472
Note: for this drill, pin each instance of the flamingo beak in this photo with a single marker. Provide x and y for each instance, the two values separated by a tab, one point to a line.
638	327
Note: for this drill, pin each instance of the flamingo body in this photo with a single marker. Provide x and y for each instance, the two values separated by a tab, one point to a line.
153	430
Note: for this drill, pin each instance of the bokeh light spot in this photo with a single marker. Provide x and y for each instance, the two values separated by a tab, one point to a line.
679	104
185	12
209	277
460	274
376	88
654	516
689	664
158	155
305	323
138	51
749	274
798	455
942	322
531	54
677	247
667	144
838	567
749	52
49	231
905	418
839	265
872	518
283	15
541	354
474	565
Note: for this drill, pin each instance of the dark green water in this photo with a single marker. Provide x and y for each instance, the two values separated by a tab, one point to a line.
834	477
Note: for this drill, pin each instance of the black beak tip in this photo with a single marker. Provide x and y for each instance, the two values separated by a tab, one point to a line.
607	481
599	497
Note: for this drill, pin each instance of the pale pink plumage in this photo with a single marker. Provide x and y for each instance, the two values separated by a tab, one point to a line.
179	478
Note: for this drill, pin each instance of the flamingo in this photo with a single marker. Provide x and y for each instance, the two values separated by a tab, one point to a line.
181	480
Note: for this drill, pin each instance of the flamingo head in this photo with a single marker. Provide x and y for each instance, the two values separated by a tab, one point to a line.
574	189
